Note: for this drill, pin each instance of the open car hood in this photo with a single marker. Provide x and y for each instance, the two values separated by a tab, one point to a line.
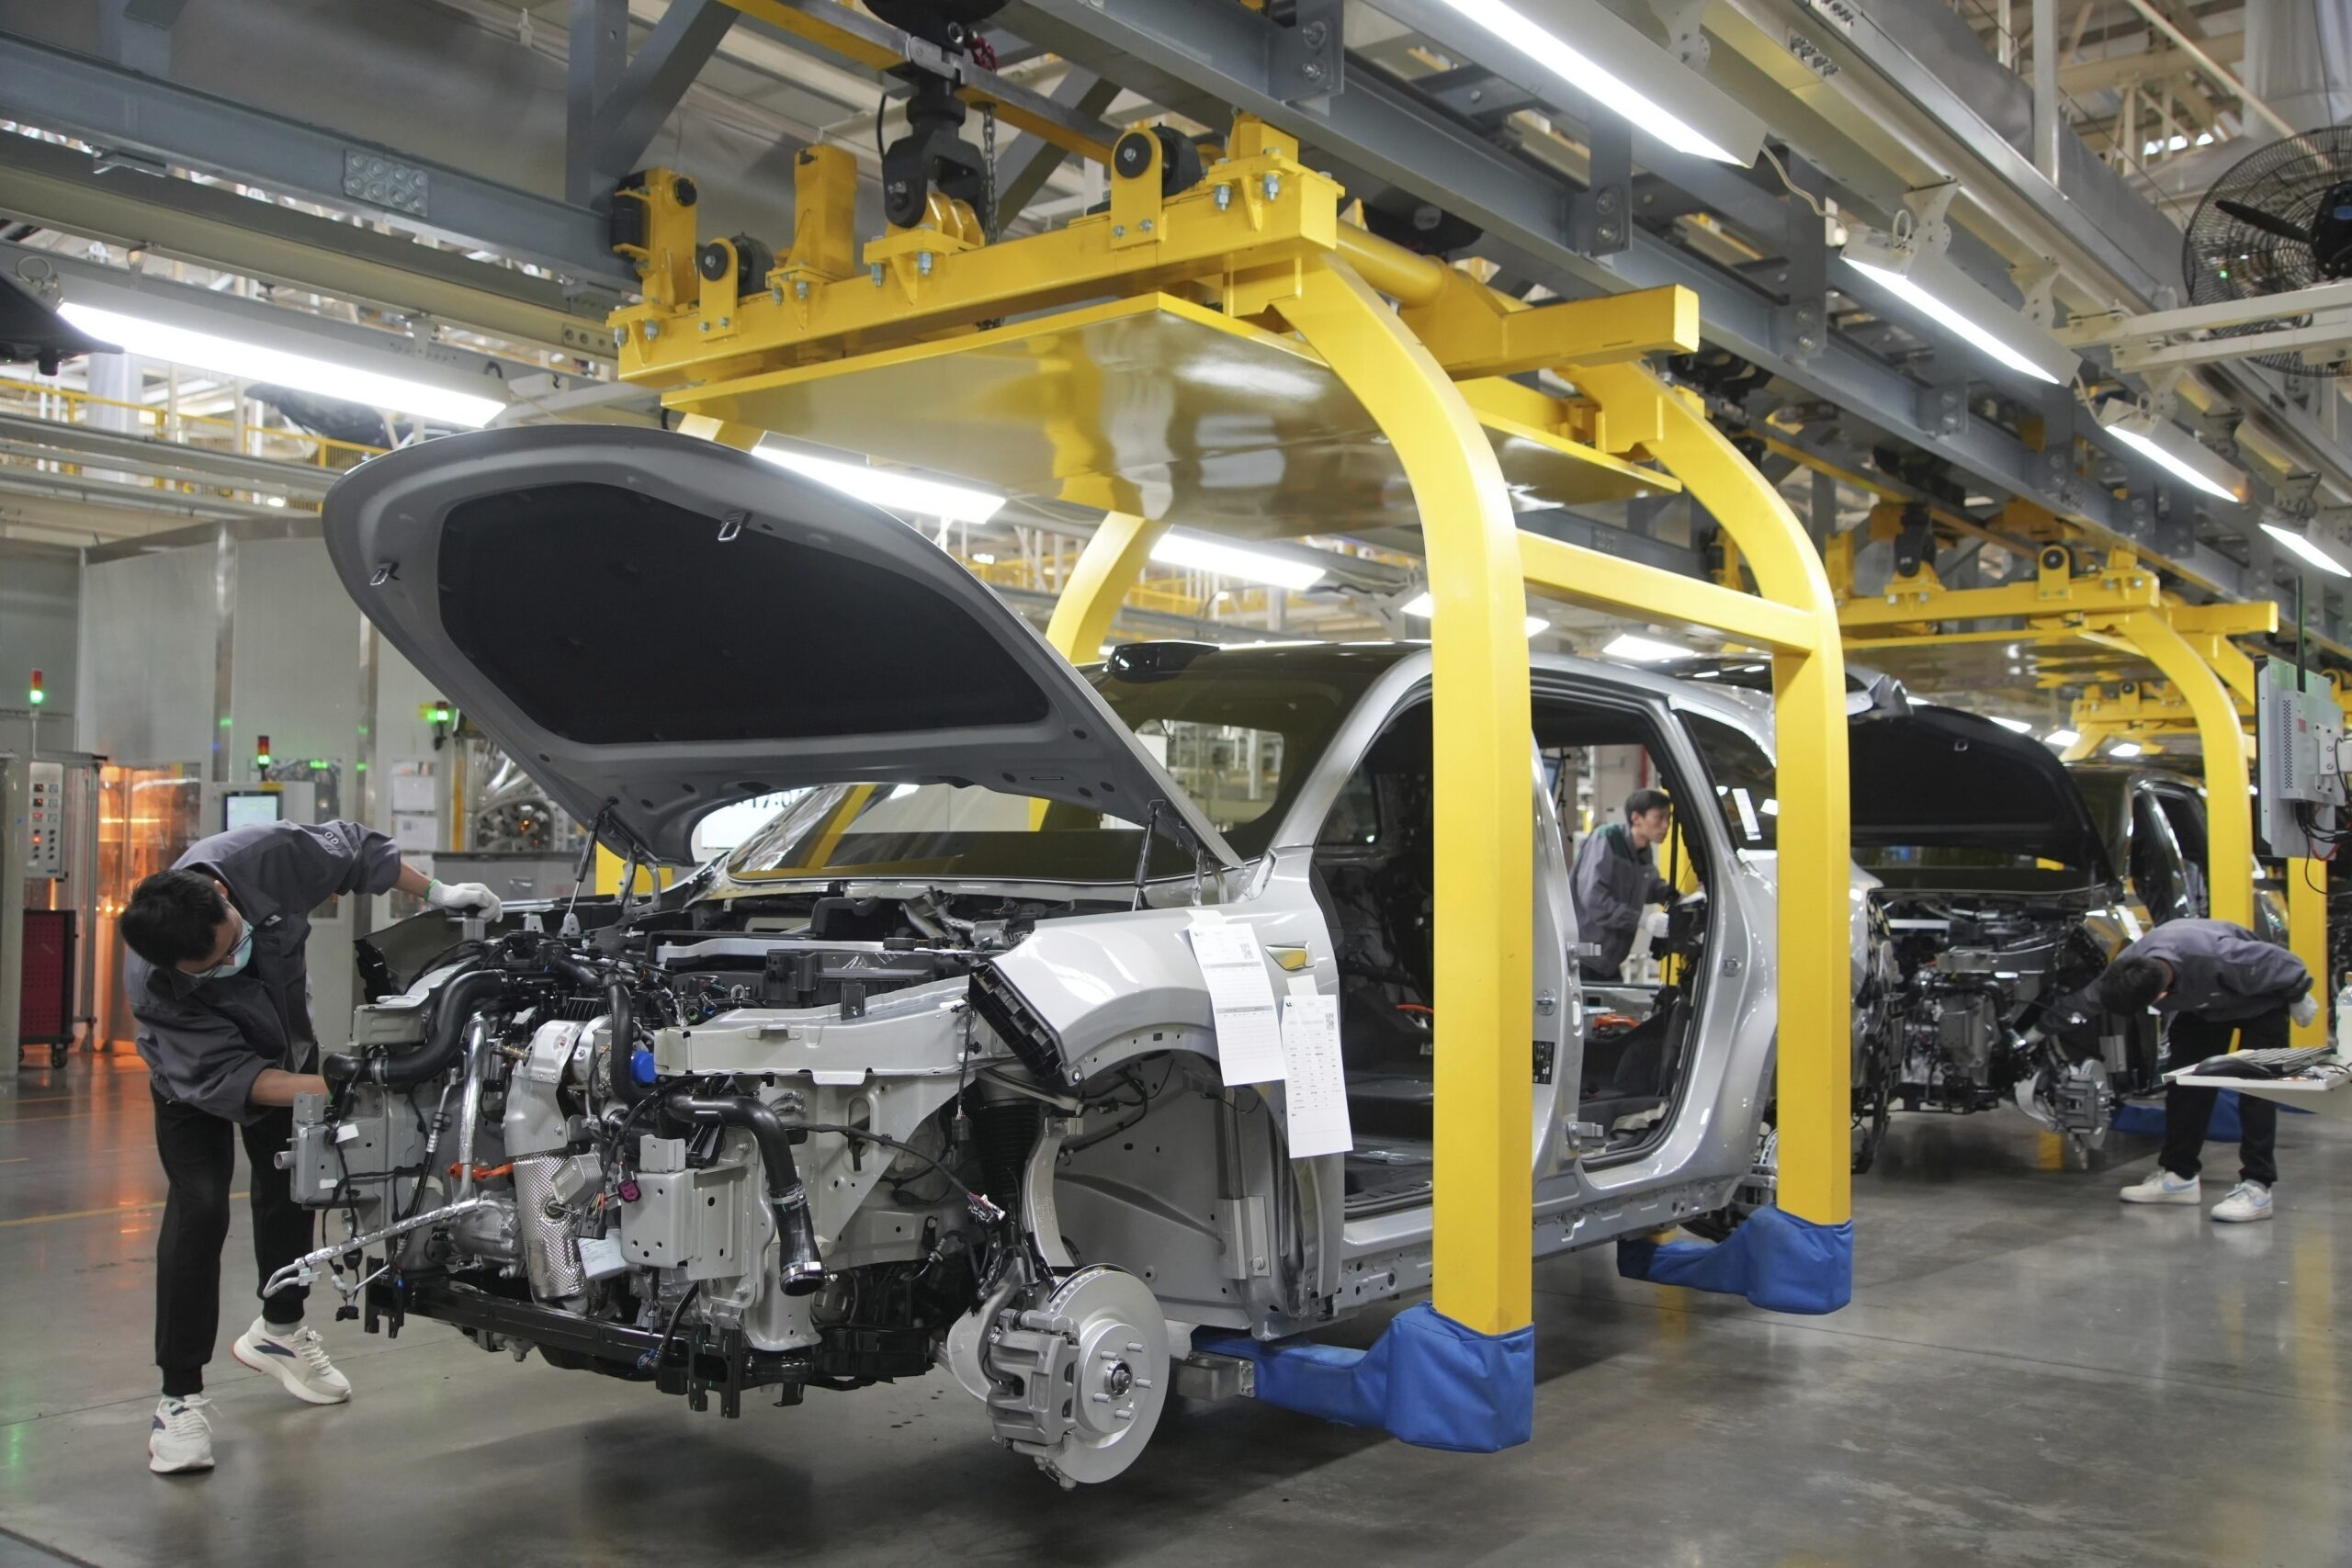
1939	778
659	625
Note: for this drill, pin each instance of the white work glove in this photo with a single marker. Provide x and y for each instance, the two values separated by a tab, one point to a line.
2305	1009
456	896
1655	923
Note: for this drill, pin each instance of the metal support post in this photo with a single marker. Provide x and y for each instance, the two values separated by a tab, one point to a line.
2229	828
1112	563
2046	122
1485	829
138	33
598	49
1815	831
16	789
2307	934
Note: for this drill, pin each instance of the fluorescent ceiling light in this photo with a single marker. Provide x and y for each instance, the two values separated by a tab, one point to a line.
2123	749
887	488
1420	606
1642	650
1203	553
152	339
2014	725
1948	297
2061	738
2174	450
1589	76
2300	542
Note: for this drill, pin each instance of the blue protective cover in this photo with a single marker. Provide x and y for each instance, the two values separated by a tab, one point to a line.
1776	1260
1430	1380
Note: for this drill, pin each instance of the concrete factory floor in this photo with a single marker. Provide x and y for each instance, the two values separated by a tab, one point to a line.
2030	1374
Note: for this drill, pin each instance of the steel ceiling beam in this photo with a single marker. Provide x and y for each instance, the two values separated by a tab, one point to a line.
623	116
114	108
211	226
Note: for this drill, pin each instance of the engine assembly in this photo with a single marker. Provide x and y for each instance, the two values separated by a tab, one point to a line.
761	1153
1965	1031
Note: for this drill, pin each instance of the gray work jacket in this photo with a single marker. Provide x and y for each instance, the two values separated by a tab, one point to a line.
206	1041
1611	887
2221	971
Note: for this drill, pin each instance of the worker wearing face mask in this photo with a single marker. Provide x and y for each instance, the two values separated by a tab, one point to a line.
217	980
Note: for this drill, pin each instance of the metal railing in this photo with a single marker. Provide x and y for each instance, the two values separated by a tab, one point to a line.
174	425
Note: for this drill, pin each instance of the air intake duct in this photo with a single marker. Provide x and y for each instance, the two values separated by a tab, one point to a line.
799	1269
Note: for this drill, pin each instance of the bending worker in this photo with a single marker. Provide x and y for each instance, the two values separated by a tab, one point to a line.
217	980
1616	879
2209	979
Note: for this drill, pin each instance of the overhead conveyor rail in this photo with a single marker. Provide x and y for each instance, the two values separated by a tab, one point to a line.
1057	366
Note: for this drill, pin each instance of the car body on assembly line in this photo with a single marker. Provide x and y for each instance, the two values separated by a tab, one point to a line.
925	1072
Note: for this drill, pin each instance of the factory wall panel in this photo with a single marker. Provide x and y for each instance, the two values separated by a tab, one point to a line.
40	612
295	673
149	645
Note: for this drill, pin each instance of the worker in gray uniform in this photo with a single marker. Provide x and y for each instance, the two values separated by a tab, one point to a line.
1615	880
2210	980
217	980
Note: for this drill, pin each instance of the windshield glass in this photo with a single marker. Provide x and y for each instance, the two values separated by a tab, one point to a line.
1238	733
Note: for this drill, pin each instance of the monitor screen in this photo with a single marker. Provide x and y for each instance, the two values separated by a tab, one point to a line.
247	806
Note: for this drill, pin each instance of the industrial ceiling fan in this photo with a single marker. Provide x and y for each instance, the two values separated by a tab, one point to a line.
2280	221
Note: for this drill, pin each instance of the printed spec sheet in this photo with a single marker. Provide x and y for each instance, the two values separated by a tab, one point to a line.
1248	1036
1317	1090
1298	1048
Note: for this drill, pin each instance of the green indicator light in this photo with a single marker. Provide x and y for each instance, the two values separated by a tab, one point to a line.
318	766
36	696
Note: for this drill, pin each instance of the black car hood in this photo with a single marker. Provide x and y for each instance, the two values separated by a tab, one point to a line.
1939	778
655	626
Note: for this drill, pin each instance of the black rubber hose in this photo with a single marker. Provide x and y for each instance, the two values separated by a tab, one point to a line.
799	1269
621	1029
444	1037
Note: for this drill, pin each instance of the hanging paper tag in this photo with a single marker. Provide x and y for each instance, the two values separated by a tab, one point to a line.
1316	1089
1233	967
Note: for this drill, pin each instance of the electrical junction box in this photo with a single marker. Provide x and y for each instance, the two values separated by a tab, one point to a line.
2299	762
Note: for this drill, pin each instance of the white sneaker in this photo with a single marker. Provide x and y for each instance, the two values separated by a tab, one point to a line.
295	1356
181	1437
2247	1201
2163	1187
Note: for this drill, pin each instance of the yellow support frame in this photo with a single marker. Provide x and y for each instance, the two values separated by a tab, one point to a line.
1259	233
2122	605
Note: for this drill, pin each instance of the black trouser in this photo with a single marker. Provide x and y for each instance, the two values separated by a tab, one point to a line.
199	1155
2188	1112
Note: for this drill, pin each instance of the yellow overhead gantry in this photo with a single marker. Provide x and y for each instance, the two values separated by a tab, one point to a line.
1141	359
2207	690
